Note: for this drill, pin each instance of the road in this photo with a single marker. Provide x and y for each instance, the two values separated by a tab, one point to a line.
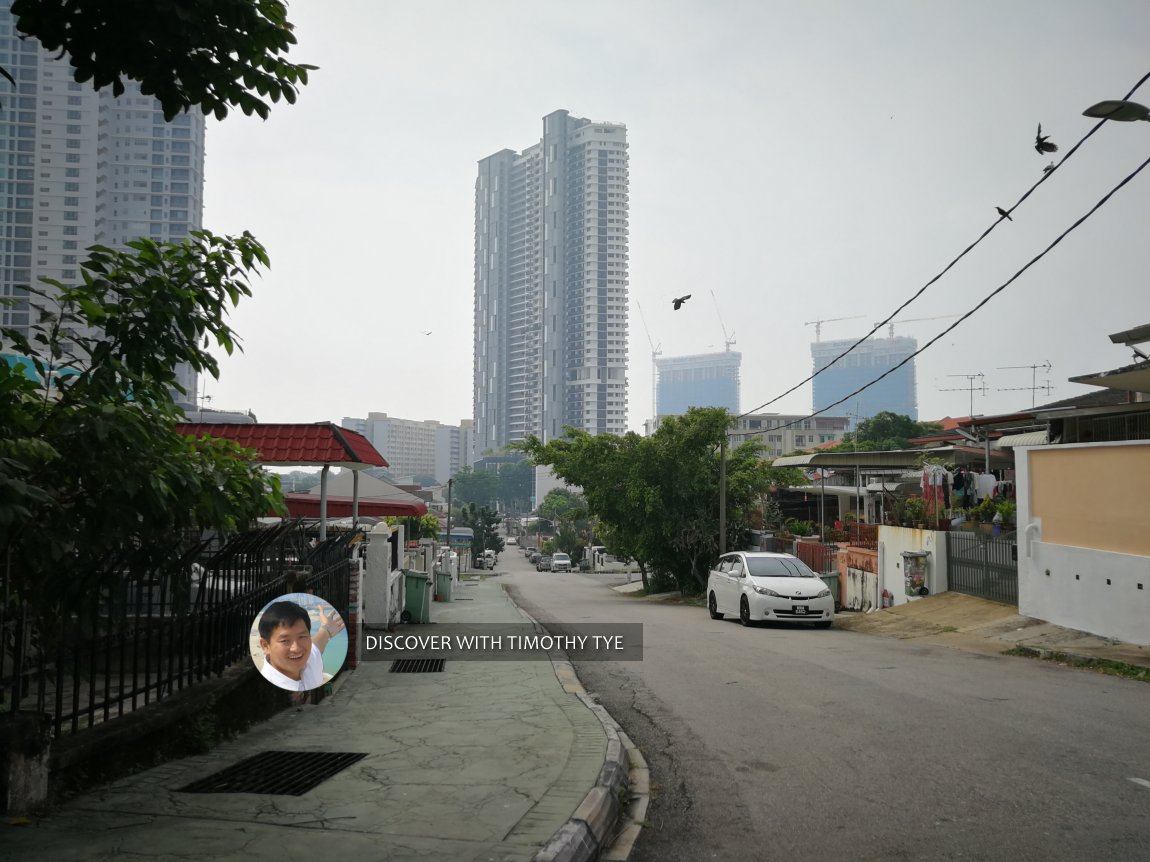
793	743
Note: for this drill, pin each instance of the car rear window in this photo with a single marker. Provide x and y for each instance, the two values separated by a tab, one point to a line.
778	567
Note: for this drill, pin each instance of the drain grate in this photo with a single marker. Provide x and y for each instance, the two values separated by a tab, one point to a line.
282	773
417	665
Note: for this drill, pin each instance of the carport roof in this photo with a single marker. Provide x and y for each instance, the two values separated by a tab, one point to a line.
908	458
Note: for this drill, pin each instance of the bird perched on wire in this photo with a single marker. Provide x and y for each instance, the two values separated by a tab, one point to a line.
1004	213
1041	144
1048	168
678	303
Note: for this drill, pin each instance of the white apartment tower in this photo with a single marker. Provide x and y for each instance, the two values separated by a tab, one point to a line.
551	285
79	167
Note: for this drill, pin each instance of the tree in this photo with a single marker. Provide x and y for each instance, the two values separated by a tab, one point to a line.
474	486
484	526
885	431
211	54
417	527
656	498
94	478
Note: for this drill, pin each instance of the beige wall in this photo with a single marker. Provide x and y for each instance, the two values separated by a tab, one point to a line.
1092	496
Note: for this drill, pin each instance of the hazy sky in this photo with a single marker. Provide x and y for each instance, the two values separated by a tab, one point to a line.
802	160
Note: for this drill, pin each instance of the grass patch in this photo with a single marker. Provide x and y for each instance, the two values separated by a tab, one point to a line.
1100	665
948	629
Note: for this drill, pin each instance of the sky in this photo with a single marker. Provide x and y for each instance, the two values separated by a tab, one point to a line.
797	160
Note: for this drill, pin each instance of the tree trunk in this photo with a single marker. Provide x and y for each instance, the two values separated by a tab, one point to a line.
643	573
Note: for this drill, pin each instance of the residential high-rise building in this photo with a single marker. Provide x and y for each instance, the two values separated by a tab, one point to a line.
895	393
80	167
417	447
702	380
551	285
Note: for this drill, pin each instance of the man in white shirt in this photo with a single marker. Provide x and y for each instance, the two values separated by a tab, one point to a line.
293	659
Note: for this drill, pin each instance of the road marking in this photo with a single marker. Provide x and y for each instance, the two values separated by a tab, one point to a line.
1141	781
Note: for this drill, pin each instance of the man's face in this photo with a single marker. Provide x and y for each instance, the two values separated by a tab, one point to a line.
289	648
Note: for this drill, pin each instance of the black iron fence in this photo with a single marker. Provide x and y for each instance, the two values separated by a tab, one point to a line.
154	633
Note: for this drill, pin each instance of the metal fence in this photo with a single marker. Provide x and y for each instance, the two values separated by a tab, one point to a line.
862	535
153	634
820	557
983	566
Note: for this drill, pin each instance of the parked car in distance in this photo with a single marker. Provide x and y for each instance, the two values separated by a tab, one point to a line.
533	557
511	540
761	586
560	562
543	564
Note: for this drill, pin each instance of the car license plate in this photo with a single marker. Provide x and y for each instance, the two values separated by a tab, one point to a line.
799	610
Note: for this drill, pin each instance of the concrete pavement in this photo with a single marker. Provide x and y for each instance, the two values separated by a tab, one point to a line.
487	760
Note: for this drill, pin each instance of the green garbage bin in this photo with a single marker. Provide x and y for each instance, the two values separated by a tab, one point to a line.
832	582
417	597
442	587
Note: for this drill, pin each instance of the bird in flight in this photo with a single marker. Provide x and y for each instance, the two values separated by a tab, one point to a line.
1041	144
678	303
1004	213
1048	168
428	332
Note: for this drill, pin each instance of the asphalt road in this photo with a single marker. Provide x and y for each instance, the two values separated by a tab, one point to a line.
792	743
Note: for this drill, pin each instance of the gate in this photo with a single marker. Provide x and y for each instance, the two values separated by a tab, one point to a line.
983	566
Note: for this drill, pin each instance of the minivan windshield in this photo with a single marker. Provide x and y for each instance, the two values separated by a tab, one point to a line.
778	567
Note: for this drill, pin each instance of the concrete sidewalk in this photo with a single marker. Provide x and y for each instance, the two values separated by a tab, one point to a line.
488	760
977	625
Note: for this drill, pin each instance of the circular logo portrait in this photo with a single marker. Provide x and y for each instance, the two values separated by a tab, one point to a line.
298	642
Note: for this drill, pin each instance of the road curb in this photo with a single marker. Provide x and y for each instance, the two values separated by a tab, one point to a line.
608	820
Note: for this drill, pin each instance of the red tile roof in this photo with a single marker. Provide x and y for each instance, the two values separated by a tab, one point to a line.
291	445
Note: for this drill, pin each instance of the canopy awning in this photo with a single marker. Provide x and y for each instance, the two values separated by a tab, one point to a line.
1030	438
907	458
304	505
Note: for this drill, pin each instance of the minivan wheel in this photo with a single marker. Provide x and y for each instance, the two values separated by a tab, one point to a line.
744	611
713	608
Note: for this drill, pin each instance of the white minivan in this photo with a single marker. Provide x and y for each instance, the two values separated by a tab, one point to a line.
560	562
760	586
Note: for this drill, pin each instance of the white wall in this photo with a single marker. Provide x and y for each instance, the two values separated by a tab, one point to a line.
1100	592
1092	591
892	541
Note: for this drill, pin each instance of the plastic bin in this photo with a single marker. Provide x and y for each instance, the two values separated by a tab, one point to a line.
442	587
832	582
417	598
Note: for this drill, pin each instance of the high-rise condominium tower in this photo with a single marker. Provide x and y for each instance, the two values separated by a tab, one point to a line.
551	285
79	167
895	393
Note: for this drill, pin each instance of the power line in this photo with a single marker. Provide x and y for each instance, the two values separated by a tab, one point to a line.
949	266
985	299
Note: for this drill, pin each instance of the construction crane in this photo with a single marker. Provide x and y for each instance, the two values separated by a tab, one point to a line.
818	324
728	337
912	320
655	353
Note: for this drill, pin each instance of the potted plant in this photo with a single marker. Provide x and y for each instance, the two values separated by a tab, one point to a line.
914	512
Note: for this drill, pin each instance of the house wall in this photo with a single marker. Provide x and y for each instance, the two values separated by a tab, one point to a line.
859	588
892	541
1092	495
1084	550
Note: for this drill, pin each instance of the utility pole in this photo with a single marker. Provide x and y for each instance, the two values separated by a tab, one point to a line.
723	495
448	555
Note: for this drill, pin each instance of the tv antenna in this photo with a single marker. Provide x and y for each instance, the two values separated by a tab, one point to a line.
971	385
1034	386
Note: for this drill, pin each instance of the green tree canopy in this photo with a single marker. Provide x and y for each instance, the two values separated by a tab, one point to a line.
94	478
656	498
210	54
885	431
484	525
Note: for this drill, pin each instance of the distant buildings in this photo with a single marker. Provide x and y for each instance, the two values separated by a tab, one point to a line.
702	380
417	448
781	433
551	285
895	393
83	168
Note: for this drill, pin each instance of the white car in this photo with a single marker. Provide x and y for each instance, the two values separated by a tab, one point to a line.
761	586
560	562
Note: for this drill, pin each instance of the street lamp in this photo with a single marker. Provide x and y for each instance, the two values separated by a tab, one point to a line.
1118	109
